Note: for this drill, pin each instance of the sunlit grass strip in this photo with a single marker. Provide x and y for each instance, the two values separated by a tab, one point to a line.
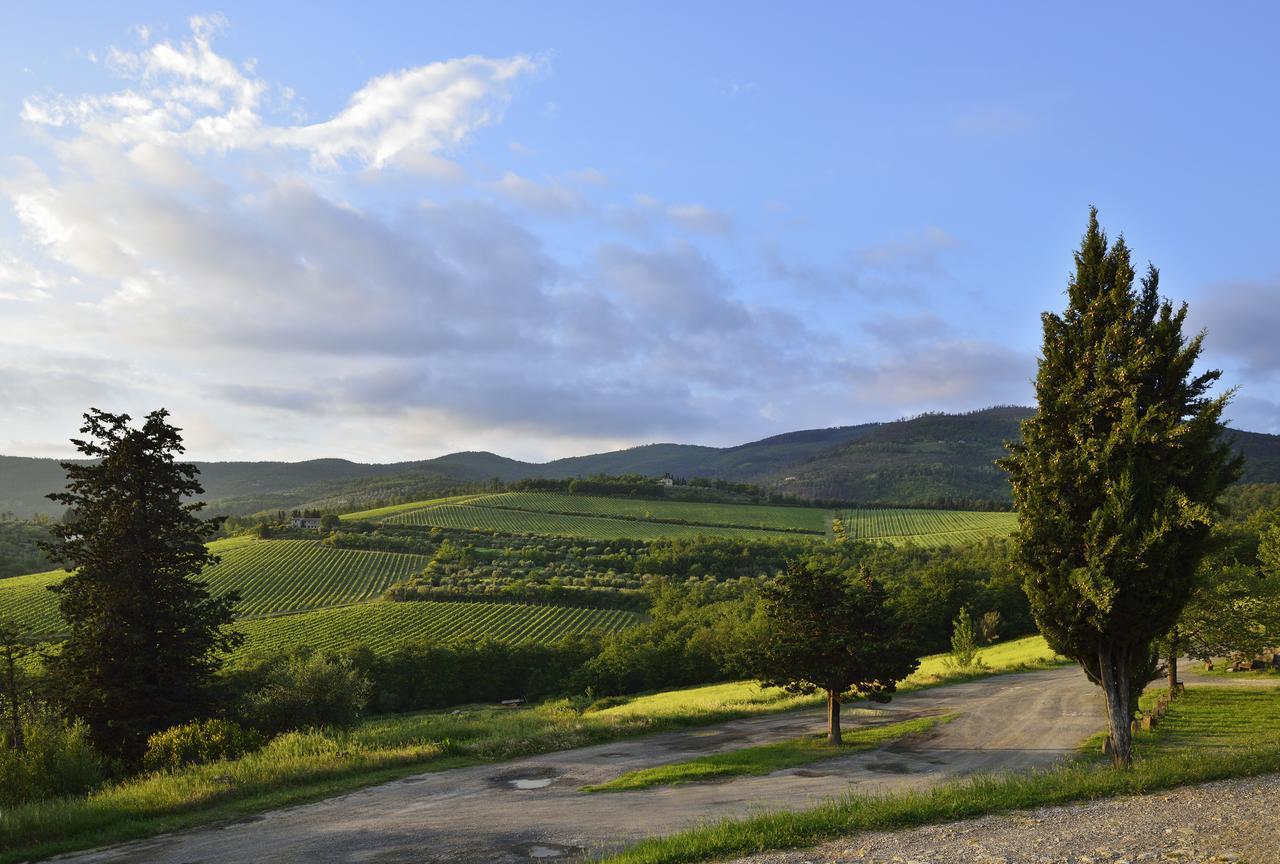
767	758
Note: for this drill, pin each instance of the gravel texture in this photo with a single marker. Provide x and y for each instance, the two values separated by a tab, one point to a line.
1228	821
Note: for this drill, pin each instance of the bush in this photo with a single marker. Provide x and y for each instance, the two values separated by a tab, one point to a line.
197	743
56	760
305	690
964	641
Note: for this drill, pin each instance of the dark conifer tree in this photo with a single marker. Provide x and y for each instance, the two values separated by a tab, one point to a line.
144	634
1117	474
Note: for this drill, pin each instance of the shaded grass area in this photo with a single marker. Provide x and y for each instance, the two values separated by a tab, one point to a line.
767	758
1222	670
1207	735
299	768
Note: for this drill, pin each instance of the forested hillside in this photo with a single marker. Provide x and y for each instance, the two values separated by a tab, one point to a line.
934	459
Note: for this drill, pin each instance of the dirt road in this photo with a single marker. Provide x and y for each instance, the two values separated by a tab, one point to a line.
1216	823
531	809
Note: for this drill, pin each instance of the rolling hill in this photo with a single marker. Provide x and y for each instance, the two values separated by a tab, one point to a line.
924	460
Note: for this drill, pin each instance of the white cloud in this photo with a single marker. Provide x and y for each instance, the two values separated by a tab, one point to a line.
188	95
247	272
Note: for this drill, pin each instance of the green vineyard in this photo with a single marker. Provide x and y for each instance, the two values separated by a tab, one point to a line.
470	517
382	626
271	576
807	519
275	576
28	602
599	518
926	527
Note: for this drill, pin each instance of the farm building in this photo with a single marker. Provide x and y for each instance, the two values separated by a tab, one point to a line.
310	523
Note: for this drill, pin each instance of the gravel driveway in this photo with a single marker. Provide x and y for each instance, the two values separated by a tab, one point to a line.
1229	821
531	809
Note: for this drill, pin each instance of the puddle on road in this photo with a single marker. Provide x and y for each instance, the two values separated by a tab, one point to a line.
546	851
890	767
525	779
809	772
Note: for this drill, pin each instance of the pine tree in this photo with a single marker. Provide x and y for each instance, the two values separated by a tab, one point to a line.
145	634
1117	474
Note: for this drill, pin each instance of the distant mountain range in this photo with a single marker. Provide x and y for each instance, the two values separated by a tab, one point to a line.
925	460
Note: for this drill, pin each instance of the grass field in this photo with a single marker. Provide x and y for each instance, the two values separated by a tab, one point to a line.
382	626
603	518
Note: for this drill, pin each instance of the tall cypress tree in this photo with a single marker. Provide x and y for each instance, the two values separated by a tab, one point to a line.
1117	474
145	634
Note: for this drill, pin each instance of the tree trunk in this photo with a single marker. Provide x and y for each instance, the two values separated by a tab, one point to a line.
15	716
833	719
1113	664
1173	663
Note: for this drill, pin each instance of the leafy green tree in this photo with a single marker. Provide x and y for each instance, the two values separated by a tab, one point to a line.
828	626
1117	474
145	635
1234	608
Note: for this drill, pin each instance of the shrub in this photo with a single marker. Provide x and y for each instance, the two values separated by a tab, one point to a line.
990	627
964	641
305	690
197	743
56	760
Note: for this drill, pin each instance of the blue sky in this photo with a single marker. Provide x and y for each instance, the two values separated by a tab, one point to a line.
546	229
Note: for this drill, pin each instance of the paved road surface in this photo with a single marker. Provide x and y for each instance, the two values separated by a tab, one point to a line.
481	814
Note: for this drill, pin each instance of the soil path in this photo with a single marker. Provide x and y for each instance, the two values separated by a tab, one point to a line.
530	809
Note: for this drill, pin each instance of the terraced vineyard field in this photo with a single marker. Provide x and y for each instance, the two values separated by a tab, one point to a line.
382	626
600	518
807	519
27	601
927	527
467	516
272	576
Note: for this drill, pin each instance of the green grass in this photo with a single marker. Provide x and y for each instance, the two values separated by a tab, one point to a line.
384	625
766	758
1221	669
308	768
1209	734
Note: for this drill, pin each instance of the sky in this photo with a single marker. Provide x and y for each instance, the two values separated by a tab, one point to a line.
392	231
